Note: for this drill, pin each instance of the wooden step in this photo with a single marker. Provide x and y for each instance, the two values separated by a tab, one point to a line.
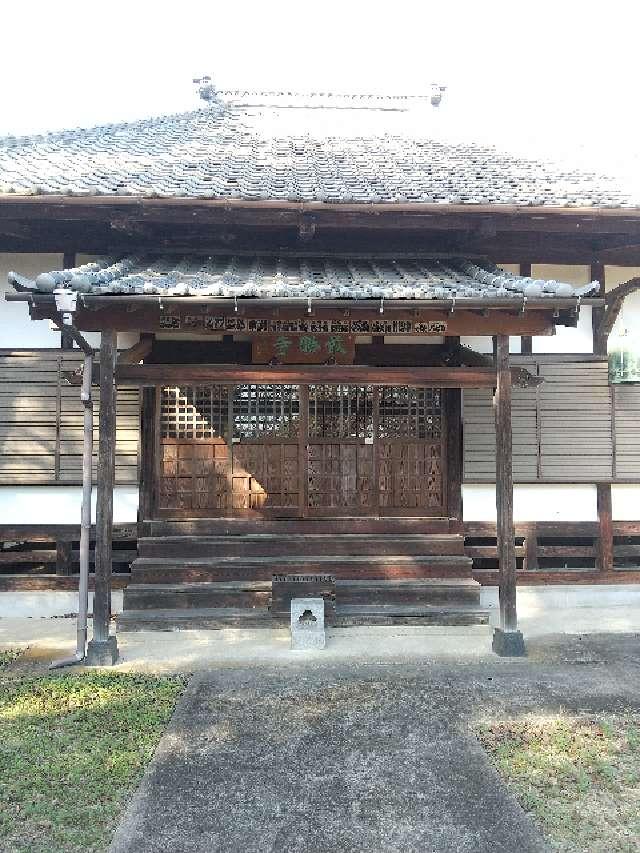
236	594
347	616
252	594
393	614
194	618
408	592
274	544
285	526
368	567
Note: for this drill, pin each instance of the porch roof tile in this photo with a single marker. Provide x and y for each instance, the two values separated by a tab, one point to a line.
316	278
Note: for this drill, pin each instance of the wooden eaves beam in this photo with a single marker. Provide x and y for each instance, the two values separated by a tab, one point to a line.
128	209
140	375
464	356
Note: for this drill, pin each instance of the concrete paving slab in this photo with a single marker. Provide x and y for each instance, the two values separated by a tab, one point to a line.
335	760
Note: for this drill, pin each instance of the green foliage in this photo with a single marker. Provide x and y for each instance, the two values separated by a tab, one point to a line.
7	656
72	748
578	777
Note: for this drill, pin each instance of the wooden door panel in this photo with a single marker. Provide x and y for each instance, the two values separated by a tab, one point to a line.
411	477
340	476
265	477
194	476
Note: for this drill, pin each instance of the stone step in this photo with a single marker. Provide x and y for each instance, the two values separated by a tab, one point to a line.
367	567
256	594
273	544
284	526
346	616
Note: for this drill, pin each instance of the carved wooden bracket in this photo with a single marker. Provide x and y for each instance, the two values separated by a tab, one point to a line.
137	352
463	356
614	301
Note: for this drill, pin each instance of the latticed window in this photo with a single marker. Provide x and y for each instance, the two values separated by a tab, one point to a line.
266	411
192	412
410	413
340	411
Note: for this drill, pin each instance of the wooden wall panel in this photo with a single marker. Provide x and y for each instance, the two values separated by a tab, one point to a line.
480	437
41	421
575	422
626	432
574	427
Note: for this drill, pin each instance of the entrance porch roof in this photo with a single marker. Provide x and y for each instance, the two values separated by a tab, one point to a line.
325	278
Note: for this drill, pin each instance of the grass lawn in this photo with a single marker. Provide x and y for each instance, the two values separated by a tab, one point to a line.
72	748
579	777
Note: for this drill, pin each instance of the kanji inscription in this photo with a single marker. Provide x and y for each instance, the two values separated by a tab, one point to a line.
310	348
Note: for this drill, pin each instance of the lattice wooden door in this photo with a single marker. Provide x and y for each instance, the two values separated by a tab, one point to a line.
292	450
411	451
265	449
229	450
194	464
341	476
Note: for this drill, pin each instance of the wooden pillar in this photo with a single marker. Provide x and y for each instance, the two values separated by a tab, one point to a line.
526	341
605	525
148	425
597	314
63	557
103	648
452	405
507	639
530	561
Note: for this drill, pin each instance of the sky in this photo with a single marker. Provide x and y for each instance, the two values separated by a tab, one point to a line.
557	76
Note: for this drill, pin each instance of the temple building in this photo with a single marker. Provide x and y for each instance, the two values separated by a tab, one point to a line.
325	340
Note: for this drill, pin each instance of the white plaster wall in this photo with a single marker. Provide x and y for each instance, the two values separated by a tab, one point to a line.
483	344
566	339
537	600
533	502
625	501
17	330
60	504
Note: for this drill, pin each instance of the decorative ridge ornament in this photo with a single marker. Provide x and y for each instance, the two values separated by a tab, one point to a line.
206	88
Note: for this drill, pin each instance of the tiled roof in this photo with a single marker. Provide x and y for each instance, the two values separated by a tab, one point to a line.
317	278
252	149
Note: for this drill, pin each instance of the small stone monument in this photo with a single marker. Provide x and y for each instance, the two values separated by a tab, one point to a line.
307	623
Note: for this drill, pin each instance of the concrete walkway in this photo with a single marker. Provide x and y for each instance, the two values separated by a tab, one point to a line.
340	759
362	756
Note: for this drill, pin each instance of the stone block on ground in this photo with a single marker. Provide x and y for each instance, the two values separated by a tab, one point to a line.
307	623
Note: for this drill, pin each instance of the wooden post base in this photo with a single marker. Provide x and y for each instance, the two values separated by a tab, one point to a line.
103	653
508	644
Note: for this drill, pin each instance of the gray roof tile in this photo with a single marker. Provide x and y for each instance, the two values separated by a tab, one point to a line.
315	278
237	149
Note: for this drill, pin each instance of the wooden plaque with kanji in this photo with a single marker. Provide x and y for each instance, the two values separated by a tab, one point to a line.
310	348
